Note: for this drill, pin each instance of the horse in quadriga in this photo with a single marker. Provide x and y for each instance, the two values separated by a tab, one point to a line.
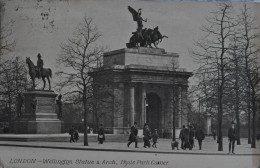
34	73
136	39
156	37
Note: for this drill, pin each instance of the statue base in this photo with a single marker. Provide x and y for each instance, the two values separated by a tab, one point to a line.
39	116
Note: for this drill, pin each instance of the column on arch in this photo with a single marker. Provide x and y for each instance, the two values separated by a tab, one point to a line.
180	112
143	104
131	103
184	104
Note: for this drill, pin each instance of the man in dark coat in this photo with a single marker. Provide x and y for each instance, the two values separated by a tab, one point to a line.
200	136
232	136
71	132
191	137
133	135
214	134
147	136
101	134
186	136
181	137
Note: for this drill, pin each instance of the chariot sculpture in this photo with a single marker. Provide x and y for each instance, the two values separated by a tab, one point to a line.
143	37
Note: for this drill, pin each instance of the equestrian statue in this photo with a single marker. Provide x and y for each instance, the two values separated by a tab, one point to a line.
38	71
143	37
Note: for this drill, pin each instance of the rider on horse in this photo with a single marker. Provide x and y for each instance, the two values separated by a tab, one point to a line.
39	65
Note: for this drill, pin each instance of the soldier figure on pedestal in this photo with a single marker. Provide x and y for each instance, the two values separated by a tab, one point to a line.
39	65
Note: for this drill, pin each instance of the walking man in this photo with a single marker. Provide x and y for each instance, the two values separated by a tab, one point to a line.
232	136
214	134
200	136
71	132
191	137
133	135
181	137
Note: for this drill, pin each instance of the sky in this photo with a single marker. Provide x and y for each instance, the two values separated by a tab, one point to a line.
34	33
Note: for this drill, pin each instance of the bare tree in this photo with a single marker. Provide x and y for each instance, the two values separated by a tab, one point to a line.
249	33
6	43
212	55
79	55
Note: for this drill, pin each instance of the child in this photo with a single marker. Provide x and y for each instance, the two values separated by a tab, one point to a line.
155	138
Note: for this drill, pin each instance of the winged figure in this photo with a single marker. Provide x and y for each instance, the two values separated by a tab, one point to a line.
137	17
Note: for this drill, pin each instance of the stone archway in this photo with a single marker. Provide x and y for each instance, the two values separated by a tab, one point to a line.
154	111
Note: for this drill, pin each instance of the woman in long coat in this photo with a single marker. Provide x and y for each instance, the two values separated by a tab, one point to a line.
147	136
101	134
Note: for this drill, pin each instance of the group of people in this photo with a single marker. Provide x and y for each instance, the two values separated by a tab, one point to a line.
74	134
187	136
147	136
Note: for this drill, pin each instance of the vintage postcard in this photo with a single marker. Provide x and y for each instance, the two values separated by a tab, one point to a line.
129	84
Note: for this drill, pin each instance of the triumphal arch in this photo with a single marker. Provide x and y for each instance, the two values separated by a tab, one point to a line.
141	84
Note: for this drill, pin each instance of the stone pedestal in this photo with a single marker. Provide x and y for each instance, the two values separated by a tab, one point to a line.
39	116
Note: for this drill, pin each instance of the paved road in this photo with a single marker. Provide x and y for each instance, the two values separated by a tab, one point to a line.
118	155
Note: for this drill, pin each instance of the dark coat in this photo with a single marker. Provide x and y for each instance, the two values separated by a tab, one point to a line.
185	133
191	134
200	135
71	131
76	135
181	136
155	137
40	63
133	134
101	134
232	134
147	133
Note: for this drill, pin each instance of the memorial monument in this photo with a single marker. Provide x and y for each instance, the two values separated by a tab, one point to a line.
38	116
140	80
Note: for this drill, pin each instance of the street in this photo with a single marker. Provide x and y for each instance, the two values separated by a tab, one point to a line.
116	154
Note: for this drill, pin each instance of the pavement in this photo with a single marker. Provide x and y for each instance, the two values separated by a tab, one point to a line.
15	154
209	147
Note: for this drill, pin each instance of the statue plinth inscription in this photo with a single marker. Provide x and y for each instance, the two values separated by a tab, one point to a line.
39	116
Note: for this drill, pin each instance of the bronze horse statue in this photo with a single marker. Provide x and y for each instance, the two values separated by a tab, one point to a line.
33	72
149	37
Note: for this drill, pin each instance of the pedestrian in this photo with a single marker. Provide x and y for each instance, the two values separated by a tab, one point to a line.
214	134
76	135
181	137
101	134
91	130
191	137
71	132
232	137
186	136
133	135
147	136
200	136
155	137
